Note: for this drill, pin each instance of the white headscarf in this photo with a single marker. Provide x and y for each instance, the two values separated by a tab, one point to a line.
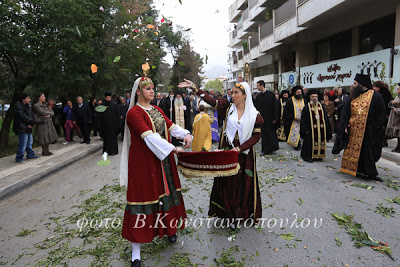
123	172
249	118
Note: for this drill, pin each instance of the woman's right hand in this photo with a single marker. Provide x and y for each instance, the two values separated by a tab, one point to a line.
185	84
178	150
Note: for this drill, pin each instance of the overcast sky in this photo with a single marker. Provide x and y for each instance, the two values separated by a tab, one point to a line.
209	23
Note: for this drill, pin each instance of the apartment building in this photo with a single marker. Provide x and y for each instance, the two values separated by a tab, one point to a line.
315	43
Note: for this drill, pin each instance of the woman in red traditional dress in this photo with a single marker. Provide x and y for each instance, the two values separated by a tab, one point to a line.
238	196
148	170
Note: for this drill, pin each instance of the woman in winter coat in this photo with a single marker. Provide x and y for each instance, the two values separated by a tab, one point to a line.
45	130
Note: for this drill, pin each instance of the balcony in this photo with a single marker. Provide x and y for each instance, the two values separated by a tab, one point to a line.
311	9
254	41
285	12
234	39
268	43
234	13
252	3
266	29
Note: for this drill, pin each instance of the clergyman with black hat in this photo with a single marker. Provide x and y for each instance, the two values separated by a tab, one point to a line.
110	124
315	129
292	117
280	132
23	124
360	130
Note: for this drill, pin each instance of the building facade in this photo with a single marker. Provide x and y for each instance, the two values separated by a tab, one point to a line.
314	43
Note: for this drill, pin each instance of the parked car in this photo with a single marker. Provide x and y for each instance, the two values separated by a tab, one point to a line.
5	107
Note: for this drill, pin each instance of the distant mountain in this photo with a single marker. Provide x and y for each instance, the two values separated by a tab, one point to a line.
216	71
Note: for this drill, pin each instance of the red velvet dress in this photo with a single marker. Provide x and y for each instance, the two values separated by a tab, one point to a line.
238	195
154	199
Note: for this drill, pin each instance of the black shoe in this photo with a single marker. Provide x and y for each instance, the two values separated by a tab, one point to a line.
397	150
308	160
88	142
136	263
82	142
172	239
377	178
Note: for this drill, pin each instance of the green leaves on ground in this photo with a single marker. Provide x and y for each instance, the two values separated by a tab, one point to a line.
286	179
393	200
362	185
288	236
338	242
386	212
361	238
391	183
25	232
103	163
227	259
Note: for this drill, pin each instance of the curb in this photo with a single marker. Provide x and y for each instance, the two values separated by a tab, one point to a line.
391	156
31	179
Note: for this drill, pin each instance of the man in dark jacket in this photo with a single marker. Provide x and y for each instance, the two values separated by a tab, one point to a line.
82	116
23	123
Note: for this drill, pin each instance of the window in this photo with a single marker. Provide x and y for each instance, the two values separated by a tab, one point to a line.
378	34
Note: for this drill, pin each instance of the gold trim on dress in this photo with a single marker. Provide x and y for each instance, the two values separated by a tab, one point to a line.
216	105
257	130
190	173
152	201
146	133
172	127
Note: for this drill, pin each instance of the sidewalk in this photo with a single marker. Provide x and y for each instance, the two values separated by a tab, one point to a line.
386	151
16	176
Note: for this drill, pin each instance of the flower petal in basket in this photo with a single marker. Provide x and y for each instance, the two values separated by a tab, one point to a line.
208	164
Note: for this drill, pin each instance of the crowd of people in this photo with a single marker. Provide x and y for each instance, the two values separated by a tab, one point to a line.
52	121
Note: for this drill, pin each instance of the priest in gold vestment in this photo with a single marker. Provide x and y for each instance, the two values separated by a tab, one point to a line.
360	130
202	131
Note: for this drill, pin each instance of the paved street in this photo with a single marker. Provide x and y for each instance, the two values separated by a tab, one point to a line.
39	224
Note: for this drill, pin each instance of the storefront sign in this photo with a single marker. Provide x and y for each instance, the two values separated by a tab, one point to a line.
342	72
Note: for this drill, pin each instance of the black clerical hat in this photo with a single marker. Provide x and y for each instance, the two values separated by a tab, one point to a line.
364	80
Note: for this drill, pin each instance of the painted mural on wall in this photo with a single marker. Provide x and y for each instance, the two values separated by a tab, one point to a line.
342	72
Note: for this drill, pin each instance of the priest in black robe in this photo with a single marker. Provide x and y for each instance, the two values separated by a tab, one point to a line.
267	104
315	129
292	117
360	130
110	123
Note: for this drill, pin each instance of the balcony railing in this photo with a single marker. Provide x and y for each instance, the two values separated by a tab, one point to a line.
254	41
267	29
240	23
285	12
233	7
234	34
302	1
252	3
245	14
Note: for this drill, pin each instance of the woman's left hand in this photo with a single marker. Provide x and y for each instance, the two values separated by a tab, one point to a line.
188	140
